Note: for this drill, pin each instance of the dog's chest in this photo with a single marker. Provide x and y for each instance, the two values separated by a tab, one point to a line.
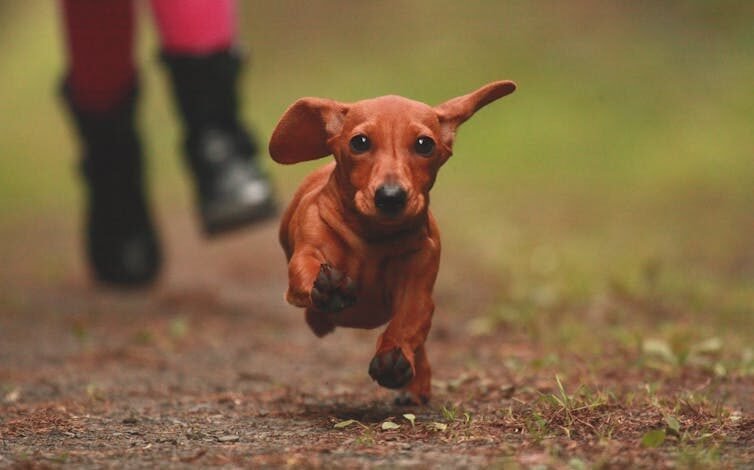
373	274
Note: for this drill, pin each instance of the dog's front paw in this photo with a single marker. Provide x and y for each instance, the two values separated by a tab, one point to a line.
391	369
333	290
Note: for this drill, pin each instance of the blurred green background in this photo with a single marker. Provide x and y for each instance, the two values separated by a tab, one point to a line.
623	163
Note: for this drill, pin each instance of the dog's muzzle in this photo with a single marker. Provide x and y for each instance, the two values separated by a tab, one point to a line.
390	199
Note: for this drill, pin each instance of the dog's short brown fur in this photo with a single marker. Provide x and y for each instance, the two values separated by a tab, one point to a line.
363	248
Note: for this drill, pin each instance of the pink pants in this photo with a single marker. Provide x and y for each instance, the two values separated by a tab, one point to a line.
99	38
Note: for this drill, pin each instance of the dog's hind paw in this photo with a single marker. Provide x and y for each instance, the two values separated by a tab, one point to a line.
391	369
333	290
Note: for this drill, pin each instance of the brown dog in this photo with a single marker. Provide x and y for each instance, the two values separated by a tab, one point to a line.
363	248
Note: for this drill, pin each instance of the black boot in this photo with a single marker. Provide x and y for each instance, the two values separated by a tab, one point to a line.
232	190
121	242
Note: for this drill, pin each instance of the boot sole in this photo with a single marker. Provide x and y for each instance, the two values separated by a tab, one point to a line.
221	220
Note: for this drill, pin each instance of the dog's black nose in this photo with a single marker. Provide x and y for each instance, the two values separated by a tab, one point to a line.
390	199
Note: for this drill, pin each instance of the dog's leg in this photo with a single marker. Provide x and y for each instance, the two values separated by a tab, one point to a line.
418	391
401	361
302	272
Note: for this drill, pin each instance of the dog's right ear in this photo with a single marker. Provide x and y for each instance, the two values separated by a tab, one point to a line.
305	129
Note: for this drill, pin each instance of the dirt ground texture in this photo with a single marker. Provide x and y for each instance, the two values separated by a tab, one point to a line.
211	367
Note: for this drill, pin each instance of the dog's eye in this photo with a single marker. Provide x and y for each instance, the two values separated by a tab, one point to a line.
360	143
424	146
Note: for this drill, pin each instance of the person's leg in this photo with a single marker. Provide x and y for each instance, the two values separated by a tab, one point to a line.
195	27
198	39
99	46
100	92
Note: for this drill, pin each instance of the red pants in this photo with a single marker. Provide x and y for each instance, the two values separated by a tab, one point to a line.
100	41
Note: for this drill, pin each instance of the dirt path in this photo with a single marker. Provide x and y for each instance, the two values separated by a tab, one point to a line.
212	368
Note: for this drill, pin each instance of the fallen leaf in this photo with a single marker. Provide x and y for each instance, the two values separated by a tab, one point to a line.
674	427
660	348
411	418
653	438
709	346
345	424
435	426
389	425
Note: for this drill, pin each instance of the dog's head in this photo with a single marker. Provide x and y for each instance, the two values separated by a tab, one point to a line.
388	150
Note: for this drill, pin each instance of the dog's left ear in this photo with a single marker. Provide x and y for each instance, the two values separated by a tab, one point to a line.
456	111
304	130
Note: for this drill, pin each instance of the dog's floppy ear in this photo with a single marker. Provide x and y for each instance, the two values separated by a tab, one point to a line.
456	111
304	130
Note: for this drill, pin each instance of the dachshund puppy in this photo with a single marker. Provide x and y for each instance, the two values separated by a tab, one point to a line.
363	248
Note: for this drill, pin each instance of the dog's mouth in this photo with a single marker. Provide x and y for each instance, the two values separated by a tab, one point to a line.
393	209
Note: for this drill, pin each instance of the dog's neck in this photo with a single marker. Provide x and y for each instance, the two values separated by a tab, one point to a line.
339	213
